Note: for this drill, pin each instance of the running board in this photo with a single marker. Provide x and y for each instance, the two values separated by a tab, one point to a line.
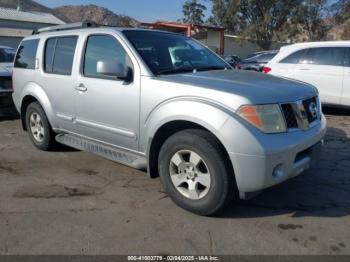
109	152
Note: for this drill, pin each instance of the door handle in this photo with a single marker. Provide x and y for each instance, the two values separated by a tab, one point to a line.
81	88
304	69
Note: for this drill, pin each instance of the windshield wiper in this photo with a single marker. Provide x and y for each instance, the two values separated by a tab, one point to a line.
209	68
175	71
186	70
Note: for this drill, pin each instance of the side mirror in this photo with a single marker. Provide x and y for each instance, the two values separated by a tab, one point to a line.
112	68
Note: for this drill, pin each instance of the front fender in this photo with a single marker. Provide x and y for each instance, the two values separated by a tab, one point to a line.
201	112
36	91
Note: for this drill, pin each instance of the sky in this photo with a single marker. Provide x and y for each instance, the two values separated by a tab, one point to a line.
141	10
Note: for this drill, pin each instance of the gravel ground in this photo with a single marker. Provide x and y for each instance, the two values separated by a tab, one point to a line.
71	202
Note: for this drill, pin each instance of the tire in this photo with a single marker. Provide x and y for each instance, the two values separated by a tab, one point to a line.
185	177
38	127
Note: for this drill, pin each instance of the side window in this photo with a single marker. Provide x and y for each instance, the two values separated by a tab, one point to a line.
26	54
347	60
333	56
59	55
293	58
49	53
103	48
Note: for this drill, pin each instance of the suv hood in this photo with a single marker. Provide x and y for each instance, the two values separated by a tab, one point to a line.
257	88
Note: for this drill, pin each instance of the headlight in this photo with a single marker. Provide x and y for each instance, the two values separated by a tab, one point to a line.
267	118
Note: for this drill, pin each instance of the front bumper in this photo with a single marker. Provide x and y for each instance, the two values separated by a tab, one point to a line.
265	160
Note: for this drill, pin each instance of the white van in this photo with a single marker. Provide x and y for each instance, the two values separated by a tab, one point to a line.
325	65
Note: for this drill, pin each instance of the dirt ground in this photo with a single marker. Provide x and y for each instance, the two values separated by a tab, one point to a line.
71	202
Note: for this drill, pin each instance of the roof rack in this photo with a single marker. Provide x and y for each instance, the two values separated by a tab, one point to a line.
84	24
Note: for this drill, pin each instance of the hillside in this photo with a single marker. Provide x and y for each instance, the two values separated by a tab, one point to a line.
76	13
94	13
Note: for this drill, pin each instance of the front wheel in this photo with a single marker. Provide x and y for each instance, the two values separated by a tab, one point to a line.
195	173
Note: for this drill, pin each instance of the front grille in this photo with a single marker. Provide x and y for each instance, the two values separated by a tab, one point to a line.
301	114
289	116
310	106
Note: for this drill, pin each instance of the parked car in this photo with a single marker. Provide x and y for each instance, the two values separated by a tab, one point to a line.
7	55
326	65
257	62
260	53
233	60
211	133
6	65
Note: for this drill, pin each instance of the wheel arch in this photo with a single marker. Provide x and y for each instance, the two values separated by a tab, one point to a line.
27	100
34	93
167	130
179	114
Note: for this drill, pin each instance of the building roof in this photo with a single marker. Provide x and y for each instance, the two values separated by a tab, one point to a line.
13	32
34	17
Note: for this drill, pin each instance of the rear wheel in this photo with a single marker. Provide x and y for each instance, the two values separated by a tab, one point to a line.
195	173
39	129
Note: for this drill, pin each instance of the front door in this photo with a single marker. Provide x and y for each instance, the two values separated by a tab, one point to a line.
108	107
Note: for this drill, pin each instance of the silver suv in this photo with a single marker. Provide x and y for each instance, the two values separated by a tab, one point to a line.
163	102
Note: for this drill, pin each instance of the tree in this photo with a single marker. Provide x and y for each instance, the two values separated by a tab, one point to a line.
310	17
224	13
267	20
271	20
346	31
263	21
193	12
341	10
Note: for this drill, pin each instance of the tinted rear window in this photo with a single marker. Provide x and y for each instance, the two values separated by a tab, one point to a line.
325	56
333	56
59	55
26	54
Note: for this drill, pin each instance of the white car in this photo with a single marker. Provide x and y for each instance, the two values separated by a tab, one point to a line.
325	65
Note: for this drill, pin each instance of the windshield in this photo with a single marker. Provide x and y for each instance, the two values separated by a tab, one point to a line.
168	53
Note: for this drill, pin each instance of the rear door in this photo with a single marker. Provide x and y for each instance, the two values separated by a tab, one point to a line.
323	68
57	78
345	100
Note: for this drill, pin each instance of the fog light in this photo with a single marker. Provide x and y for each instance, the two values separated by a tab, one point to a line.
278	171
